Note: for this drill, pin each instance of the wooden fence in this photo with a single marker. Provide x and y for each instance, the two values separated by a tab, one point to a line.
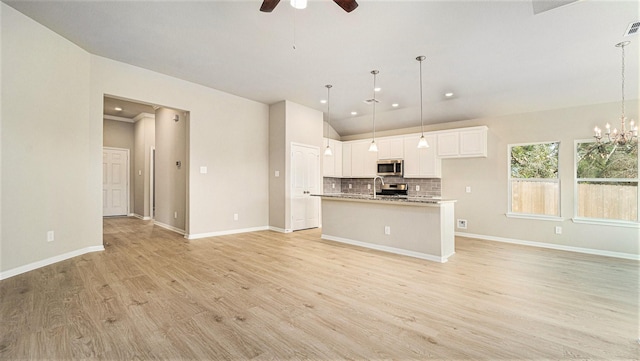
535	198
606	201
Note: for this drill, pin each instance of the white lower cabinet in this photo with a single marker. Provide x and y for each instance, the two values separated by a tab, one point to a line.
421	162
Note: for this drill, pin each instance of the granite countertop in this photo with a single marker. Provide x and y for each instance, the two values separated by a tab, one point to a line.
379	198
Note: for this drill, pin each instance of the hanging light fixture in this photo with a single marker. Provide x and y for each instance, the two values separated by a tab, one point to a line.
623	136
422	143
299	4
327	150
374	147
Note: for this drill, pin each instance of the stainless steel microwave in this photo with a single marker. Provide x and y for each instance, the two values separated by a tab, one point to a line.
391	167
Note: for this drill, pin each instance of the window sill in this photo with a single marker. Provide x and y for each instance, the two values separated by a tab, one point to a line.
606	222
538	217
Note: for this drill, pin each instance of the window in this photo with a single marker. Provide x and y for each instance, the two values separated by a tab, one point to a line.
607	181
534	185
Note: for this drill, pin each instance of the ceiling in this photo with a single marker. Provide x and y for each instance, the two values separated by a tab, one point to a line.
497	57
128	110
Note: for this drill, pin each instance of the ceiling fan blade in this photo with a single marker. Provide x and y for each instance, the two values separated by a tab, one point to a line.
268	5
347	5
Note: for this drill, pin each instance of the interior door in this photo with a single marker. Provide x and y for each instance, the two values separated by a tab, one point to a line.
115	172
305	180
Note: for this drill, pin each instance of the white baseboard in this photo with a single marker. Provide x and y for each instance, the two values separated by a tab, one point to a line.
281	230
224	233
140	217
597	252
171	228
377	247
45	262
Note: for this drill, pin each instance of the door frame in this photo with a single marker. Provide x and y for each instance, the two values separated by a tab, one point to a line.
152	181
128	178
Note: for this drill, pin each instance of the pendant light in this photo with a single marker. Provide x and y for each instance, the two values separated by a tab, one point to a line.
327	150
623	136
374	147
423	141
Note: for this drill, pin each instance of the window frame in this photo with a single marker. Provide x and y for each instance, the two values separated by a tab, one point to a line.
601	221
544	217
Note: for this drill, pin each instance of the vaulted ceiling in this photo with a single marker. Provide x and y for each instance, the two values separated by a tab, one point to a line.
496	57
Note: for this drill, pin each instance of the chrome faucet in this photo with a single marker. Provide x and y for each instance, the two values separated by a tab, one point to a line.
374	184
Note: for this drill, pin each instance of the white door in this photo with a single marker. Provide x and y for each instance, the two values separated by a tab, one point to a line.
305	180
115	175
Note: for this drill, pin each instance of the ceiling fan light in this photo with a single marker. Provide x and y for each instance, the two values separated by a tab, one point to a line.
327	151
423	142
299	4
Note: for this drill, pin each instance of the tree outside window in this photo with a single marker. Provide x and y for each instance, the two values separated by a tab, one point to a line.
607	181
534	183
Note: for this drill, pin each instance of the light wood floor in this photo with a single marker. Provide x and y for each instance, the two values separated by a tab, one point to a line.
266	295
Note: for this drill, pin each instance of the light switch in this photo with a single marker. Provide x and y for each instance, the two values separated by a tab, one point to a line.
468	189
139	172
203	170
277	173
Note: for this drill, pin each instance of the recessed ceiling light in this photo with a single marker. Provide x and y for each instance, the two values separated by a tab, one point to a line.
376	89
395	105
118	109
354	113
323	101
448	95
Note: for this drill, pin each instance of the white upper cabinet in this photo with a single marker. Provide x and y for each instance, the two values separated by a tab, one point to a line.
421	162
332	164
462	143
390	148
363	162
346	159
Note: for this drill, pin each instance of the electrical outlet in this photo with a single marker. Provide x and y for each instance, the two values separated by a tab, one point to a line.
276	173
333	185
387	230
417	188
50	236
369	186
467	189
462	223
349	185
175	215
558	230
235	216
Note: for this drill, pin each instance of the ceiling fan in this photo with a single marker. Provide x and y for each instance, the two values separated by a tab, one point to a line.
346	5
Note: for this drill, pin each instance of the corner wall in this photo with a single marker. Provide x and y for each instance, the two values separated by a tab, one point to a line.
51	148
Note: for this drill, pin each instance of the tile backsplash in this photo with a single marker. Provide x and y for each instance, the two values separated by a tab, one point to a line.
429	187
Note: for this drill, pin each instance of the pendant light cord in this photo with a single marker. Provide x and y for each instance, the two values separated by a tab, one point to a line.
420	59
374	72
622	46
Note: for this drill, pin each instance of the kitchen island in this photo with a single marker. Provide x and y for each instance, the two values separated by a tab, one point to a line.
418	227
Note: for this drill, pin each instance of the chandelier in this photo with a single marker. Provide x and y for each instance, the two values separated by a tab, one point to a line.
622	136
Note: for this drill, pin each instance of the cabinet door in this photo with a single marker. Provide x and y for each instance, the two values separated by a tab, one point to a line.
421	162
390	148
448	144
346	159
473	143
328	161
336	147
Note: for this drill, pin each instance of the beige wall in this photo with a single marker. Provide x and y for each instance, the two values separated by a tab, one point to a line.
485	207
144	135
56	179
51	144
118	134
288	123
171	179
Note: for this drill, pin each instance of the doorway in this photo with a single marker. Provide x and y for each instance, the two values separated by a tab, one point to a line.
305	181
115	182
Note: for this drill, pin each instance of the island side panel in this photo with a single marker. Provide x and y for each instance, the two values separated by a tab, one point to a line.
414	228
